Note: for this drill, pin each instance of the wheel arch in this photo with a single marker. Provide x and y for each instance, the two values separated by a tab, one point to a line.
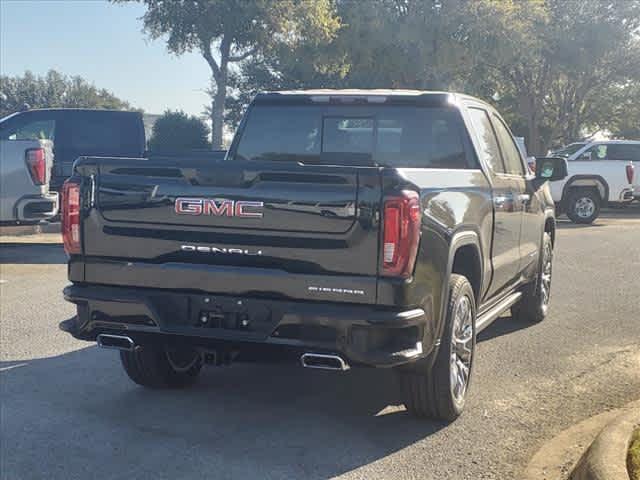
550	226
577	181
464	244
465	258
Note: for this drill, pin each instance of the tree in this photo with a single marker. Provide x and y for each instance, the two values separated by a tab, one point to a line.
229	32
549	60
616	109
177	131
381	44
53	90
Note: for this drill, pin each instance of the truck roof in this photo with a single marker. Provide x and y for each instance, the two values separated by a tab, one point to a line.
611	142
63	109
394	94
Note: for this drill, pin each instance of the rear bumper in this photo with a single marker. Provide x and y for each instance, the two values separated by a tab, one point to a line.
37	207
361	334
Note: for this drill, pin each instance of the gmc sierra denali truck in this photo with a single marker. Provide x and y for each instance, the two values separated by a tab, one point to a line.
344	228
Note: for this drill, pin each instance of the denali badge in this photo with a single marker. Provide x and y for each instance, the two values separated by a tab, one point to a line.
203	249
219	207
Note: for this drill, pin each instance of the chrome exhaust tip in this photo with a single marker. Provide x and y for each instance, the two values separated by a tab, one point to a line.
323	361
115	342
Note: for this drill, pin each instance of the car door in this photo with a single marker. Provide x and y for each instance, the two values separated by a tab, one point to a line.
525	198
505	251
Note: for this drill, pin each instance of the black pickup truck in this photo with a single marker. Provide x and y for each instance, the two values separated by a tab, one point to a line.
344	228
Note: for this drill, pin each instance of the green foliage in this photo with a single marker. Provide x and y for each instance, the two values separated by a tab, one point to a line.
53	90
551	61
177	131
633	458
227	32
546	63
557	69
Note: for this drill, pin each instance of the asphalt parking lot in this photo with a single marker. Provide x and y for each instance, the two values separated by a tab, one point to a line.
68	410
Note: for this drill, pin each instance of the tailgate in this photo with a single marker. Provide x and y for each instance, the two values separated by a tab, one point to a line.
313	222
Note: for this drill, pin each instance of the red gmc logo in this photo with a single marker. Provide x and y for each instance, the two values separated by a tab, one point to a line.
219	207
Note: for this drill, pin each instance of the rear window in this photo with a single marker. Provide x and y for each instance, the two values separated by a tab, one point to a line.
388	135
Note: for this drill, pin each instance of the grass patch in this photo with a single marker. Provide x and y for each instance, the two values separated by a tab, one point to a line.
633	460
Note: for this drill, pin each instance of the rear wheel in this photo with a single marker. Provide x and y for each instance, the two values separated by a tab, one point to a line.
157	366
534	304
583	205
440	392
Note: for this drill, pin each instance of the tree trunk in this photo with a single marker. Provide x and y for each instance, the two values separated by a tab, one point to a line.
534	136
220	75
527	105
217	114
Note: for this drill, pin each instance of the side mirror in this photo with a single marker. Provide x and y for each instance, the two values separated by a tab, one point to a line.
586	156
550	169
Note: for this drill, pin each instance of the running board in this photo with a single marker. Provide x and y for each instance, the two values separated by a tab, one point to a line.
484	320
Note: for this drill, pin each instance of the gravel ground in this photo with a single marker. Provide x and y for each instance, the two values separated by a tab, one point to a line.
68	411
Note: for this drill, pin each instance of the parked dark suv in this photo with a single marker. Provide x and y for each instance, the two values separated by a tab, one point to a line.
344	228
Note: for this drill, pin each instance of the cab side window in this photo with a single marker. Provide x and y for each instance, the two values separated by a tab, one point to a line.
597	152
510	152
623	152
33	130
489	149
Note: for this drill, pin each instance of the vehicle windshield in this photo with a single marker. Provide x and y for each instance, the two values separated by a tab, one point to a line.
386	135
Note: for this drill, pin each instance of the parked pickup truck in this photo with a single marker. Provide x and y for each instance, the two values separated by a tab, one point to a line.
344	228
599	173
26	159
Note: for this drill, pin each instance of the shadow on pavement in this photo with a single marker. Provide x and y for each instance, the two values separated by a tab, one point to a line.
32	253
503	326
77	415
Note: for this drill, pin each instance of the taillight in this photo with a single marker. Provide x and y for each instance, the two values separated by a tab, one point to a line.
401	234
37	165
71	216
630	172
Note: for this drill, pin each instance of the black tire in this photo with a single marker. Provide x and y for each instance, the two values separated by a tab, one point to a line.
429	392
583	205
150	366
534	304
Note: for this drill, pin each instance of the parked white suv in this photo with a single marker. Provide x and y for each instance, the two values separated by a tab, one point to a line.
600	173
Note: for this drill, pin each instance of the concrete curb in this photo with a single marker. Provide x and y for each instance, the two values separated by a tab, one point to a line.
20	230
606	458
557	457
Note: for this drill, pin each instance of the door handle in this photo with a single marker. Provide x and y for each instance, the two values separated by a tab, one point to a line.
500	200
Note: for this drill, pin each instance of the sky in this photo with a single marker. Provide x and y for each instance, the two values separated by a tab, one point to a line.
104	44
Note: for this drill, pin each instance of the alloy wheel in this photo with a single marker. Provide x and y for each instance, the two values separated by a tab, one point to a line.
461	348
584	207
545	276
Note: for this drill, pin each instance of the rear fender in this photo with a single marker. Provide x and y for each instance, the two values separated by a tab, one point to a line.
462	239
